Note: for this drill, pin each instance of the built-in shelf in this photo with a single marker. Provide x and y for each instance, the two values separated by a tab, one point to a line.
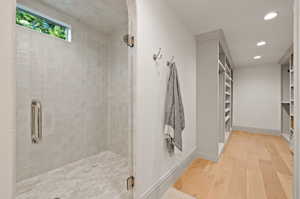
227	118
287	95
223	85
228	76
217	61
292	94
222	65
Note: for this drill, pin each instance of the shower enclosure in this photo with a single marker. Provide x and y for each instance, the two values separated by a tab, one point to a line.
74	118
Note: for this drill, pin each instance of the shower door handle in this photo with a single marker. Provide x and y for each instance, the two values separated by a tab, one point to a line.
36	121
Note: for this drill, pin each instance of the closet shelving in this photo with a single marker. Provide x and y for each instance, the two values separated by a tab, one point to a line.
287	96
214	94
292	95
225	84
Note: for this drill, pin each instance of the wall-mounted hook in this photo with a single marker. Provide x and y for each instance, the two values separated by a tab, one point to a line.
158	55
169	63
129	40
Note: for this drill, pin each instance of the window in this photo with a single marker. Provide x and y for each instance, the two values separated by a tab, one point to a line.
35	21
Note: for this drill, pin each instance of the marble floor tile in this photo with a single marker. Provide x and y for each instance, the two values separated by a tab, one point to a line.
102	176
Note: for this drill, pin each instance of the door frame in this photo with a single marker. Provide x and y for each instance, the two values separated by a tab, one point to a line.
132	62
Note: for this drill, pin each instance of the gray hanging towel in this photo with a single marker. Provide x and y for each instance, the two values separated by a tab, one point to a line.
174	111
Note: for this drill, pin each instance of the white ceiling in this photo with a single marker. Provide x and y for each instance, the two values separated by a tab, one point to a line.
104	15
243	25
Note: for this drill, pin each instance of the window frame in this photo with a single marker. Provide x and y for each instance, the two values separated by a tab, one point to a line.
47	18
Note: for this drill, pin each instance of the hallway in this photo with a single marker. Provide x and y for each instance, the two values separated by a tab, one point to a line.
252	166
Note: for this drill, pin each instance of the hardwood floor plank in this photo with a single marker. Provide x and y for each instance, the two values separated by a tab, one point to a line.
287	184
237	186
255	185
288	159
277	161
198	179
272	184
252	166
221	183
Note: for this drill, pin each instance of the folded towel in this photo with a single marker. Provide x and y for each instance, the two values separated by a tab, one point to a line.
174	112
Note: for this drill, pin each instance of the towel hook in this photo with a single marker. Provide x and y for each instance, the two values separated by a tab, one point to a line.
158	55
169	63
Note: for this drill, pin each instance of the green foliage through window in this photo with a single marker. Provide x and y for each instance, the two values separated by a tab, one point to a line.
41	24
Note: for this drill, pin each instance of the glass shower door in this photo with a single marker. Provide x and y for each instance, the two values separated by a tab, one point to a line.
74	96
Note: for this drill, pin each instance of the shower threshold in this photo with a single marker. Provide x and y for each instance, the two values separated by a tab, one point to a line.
101	176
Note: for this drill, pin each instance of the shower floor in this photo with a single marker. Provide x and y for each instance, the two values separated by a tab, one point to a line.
102	176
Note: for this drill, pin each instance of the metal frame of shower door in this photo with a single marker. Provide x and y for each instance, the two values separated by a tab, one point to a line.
132	63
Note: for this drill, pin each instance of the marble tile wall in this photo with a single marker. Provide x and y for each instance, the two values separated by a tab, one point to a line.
118	93
70	79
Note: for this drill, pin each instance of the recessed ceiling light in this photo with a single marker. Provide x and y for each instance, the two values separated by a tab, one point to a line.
270	15
261	43
257	57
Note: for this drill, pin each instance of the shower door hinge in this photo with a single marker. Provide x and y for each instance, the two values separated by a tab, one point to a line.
129	40
130	183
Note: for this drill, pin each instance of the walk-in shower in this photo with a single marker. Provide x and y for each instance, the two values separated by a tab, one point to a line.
73	99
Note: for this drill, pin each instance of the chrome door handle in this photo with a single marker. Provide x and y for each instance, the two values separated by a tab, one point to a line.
36	121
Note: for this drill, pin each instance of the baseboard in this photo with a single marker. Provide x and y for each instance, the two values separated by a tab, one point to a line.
257	130
205	156
157	190
286	137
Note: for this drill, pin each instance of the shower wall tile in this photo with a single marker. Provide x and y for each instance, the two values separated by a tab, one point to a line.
23	106
118	94
71	81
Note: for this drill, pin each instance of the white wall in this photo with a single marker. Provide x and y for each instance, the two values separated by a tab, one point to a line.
208	125
7	100
158	27
257	96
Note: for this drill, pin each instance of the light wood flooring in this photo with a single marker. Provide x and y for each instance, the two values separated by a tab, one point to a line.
175	194
252	166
